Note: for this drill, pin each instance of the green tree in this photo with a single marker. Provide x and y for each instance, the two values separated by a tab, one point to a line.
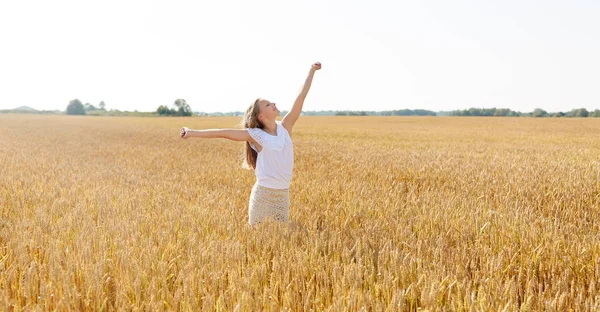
579	112
75	108
165	111
183	109
538	112
514	114
89	107
102	105
488	111
582	112
502	112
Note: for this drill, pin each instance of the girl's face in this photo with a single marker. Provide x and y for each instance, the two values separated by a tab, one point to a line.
267	110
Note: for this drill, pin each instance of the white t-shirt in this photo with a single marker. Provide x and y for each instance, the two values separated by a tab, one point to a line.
275	161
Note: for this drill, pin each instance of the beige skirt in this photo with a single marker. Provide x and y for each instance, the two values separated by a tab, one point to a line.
268	203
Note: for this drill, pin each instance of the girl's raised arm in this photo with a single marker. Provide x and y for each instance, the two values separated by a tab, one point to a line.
230	134
290	118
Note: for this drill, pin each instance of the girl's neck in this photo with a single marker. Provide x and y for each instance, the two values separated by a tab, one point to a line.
270	127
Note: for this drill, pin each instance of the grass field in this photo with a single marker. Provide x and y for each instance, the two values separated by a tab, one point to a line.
389	213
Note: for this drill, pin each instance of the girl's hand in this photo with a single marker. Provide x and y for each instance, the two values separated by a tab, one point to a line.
183	133
316	66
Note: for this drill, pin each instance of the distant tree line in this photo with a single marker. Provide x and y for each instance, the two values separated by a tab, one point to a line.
351	113
401	112
405	112
75	107
497	112
182	108
505	112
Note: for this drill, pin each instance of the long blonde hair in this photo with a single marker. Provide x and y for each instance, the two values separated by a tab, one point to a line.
251	121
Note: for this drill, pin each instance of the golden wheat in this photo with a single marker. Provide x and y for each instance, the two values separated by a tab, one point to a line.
387	214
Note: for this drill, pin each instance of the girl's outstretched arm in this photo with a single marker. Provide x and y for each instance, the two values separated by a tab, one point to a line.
230	134
290	118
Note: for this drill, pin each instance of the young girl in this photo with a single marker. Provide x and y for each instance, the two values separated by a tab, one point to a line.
269	152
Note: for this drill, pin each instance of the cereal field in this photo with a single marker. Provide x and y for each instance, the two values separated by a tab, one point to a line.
388	213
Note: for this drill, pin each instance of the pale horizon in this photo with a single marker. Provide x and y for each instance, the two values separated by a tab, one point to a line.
376	56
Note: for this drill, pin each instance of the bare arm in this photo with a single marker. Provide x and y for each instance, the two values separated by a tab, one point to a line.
290	118
230	134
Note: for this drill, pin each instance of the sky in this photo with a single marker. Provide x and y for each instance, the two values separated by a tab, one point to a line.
375	54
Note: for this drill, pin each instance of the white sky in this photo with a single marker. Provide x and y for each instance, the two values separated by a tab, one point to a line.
377	55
